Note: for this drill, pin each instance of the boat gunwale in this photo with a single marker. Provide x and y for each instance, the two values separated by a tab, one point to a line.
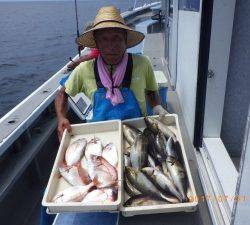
46	93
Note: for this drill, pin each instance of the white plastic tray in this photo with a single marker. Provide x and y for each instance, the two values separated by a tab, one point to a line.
172	121
108	131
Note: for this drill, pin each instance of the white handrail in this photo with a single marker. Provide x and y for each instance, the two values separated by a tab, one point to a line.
13	131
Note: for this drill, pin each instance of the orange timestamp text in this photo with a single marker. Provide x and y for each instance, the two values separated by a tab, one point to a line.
219	198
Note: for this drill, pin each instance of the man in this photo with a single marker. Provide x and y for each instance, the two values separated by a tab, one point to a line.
118	83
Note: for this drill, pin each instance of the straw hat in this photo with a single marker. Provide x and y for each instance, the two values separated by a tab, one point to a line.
109	17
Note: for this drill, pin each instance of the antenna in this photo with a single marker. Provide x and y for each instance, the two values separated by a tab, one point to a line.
77	27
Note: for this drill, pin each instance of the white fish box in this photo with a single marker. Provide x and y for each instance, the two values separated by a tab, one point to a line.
107	131
173	124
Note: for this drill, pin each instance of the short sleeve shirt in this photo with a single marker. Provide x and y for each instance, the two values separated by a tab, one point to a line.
82	79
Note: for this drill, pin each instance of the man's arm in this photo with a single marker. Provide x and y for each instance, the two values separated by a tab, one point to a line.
61	106
153	98
83	58
61	103
154	101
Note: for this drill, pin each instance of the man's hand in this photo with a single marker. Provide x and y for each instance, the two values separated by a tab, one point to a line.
61	107
159	110
63	123
72	65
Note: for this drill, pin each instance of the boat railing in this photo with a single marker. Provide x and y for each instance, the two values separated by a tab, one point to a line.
30	127
16	121
142	3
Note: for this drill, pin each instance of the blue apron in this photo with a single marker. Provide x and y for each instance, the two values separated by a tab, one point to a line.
104	110
102	107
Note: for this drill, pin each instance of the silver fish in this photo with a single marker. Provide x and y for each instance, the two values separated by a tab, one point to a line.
130	133
151	161
145	186
152	146
164	129
143	200
160	145
138	153
178	175
165	169
151	125
127	150
129	188
162	180
127	160
170	151
178	151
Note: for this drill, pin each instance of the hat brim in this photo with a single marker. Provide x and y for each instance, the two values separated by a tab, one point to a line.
87	38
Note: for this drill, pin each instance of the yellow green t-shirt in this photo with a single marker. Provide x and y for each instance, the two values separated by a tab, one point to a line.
82	79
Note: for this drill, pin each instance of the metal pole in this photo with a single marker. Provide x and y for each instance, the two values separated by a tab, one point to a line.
77	27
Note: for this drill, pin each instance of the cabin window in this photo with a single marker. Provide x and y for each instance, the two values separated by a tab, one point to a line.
220	133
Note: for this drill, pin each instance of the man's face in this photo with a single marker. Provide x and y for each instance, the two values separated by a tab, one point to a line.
111	43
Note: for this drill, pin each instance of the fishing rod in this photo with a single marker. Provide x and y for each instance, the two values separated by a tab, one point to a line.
77	27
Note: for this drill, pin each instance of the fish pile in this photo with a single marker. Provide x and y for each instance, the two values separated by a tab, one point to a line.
91	170
154	172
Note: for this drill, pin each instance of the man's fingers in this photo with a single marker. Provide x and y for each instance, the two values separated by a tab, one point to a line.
62	125
69	128
59	135
72	66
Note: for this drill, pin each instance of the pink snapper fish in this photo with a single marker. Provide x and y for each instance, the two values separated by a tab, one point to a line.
74	175
104	195
75	151
110	154
102	172
94	147
73	194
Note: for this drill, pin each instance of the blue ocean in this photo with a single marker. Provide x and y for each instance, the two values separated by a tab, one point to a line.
36	40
